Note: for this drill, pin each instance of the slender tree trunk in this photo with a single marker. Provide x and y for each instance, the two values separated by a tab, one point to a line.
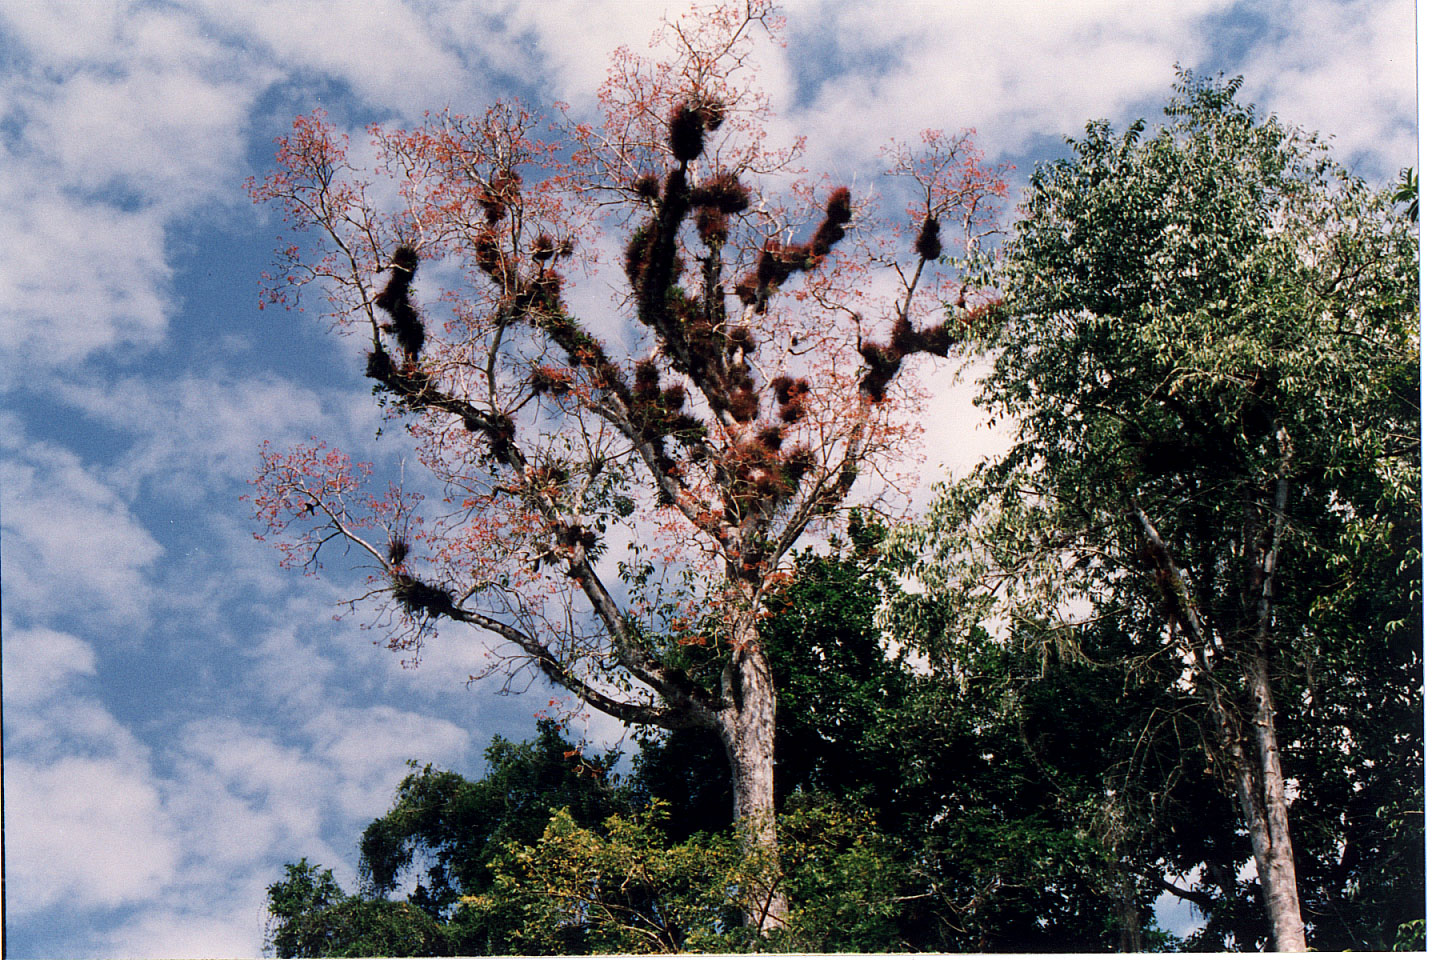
1260	784
1122	898
1114	830
1258	779
748	731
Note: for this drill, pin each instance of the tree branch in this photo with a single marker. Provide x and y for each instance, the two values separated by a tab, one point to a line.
1201	900
1277	529
632	713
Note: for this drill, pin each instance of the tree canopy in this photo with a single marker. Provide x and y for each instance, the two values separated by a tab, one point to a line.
1169	643
1208	346
756	376
937	822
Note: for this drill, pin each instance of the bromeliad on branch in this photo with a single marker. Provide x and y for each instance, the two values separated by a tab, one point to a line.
753	400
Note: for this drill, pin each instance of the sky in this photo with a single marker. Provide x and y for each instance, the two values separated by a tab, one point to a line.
181	716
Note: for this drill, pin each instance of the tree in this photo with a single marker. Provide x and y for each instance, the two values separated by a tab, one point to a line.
451	830
305	891
835	685
1208	343
459	826
733	412
627	888
550	853
937	811
310	916
968	766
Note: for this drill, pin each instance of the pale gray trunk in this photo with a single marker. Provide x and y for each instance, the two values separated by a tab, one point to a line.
1261	786
747	728
1256	772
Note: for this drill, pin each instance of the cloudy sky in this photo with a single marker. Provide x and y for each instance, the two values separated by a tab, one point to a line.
181	717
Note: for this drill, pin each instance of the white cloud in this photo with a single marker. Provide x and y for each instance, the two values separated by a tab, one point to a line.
166	131
208	929
39	662
85	831
194	435
1023	74
369	748
957	433
189	832
1014	71
293	660
126	121
71	544
154	106
385	50
77	279
574	38
84	822
1345	70
66	32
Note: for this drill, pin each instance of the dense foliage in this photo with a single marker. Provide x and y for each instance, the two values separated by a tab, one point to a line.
1182	610
1209	348
915	817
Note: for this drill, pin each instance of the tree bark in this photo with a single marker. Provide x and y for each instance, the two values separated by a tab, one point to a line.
1122	898
747	728
1269	816
1258	779
1260	784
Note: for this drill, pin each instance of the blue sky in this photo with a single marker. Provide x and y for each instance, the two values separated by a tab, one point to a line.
181	717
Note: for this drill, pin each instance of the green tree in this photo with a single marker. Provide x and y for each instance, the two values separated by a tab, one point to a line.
621	887
458	826
1208	345
933	810
626	887
967	765
1007	763
310	916
548	854
450	829
836	683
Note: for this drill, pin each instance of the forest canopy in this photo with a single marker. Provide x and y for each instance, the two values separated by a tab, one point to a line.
1167	645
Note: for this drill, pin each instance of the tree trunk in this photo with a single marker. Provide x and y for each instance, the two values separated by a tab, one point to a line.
1259	777
1261	787
748	731
1127	913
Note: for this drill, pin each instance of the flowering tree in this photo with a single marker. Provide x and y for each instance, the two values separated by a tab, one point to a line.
733	409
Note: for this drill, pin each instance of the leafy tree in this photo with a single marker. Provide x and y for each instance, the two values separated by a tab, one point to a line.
1408	193
305	891
968	766
835	684
450	830
1003	783
734	411
628	888
310	916
620	888
459	826
1208	344
942	810
513	873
